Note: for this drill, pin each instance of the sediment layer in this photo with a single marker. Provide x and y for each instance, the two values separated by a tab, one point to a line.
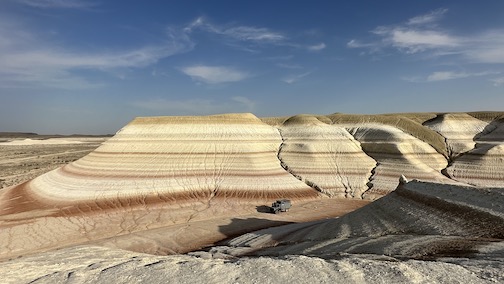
156	166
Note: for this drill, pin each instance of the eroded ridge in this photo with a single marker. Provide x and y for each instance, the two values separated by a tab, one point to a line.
325	157
397	153
418	220
484	165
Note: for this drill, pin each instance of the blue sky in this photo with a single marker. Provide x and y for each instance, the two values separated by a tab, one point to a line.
91	66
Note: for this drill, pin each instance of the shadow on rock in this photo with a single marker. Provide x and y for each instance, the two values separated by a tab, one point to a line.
263	209
239	227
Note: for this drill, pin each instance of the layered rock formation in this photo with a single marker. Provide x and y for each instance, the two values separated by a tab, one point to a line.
151	166
475	143
418	220
397	153
325	156
164	171
459	129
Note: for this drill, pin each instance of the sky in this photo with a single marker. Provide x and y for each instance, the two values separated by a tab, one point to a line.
91	66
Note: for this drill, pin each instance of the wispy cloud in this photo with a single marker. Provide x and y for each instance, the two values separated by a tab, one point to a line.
240	33
497	81
66	4
289	65
317	47
248	38
290	79
214	74
27	59
415	40
197	106
422	34
246	102
428	18
448	75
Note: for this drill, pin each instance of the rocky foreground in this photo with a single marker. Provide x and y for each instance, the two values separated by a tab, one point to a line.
166	185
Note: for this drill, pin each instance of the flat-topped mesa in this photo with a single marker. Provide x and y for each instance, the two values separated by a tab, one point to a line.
154	172
324	156
177	158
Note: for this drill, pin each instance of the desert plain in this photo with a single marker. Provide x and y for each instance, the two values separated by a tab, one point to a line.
392	198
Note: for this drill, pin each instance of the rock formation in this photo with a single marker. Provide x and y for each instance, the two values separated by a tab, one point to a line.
418	220
325	157
163	172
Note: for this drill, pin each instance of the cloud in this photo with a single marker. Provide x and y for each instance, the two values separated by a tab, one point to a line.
421	34
67	4
289	66
486	47
497	81
413	41
317	47
249	104
237	36
290	79
27	59
357	44
240	33
197	106
214	74
448	75
428	18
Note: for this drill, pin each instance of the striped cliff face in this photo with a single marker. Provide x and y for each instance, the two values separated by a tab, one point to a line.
483	165
200	157
161	171
397	153
459	129
326	157
138	177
